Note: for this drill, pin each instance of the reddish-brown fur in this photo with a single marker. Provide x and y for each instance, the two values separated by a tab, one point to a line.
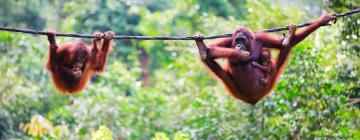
239	76
265	64
71	65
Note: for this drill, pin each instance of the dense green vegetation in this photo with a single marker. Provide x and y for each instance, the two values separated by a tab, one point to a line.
181	100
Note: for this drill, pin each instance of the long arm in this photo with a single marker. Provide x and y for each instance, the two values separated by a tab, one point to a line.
52	50
95	50
303	33
275	41
105	49
221	49
298	36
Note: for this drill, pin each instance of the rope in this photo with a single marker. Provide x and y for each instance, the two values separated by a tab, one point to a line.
125	37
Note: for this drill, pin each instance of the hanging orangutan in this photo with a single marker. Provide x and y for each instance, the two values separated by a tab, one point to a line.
71	65
246	76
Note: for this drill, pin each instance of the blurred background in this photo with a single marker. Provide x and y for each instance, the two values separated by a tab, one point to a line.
160	90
